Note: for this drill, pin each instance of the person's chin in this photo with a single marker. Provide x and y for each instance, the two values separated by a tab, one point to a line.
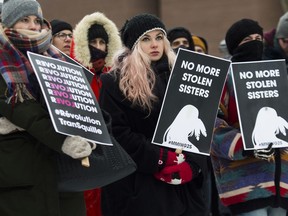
155	58
66	51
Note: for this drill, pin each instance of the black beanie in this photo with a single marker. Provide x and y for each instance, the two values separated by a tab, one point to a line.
239	30
179	32
59	25
97	31
139	25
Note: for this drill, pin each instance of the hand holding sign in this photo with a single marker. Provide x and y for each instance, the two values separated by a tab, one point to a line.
72	105
265	154
77	147
190	106
261	87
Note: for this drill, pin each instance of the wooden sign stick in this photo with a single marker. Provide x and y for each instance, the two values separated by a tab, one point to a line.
85	162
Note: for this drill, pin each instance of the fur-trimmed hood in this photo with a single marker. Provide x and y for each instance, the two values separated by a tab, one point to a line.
80	36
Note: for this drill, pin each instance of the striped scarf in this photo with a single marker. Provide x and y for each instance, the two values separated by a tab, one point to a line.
15	67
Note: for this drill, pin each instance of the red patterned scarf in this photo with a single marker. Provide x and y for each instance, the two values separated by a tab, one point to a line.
15	67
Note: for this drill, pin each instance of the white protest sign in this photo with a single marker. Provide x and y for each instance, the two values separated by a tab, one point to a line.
261	92
191	102
88	73
73	107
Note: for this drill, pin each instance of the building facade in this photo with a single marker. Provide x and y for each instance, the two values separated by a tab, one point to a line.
207	18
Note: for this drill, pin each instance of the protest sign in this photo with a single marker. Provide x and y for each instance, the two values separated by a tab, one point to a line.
73	107
261	92
88	73
190	105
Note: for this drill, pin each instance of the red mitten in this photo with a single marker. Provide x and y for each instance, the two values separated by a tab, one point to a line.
169	158
176	174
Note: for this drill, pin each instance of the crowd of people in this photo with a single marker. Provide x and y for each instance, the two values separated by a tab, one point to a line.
131	67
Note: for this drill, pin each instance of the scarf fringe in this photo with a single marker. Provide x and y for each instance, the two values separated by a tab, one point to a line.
13	45
20	94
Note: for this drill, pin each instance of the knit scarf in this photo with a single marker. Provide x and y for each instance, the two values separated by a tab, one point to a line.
15	67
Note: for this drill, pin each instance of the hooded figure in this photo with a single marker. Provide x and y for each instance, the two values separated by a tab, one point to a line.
95	25
81	41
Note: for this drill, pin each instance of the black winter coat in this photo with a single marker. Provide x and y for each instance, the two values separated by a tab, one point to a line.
140	193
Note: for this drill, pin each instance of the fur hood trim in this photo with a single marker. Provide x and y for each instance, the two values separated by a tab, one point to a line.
80	36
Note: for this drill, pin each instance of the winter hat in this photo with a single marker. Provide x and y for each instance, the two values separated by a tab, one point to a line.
97	31
239	30
14	10
138	26
179	32
59	25
201	42
282	27
81	50
269	37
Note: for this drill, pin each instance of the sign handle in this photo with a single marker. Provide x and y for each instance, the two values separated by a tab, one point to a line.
178	151
85	162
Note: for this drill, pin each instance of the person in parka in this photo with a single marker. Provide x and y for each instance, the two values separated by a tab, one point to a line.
28	140
95	41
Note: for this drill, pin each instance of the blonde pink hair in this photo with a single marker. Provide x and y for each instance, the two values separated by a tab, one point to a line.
137	79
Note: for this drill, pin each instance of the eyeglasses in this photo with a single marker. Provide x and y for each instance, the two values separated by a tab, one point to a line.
63	36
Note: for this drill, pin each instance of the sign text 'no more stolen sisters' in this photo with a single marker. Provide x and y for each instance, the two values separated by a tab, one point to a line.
261	92
73	107
191	102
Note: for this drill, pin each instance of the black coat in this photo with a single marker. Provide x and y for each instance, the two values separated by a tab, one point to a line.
274	52
140	193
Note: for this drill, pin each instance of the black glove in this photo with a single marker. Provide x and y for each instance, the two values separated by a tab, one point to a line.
265	154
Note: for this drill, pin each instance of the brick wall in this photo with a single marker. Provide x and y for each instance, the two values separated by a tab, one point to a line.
208	18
